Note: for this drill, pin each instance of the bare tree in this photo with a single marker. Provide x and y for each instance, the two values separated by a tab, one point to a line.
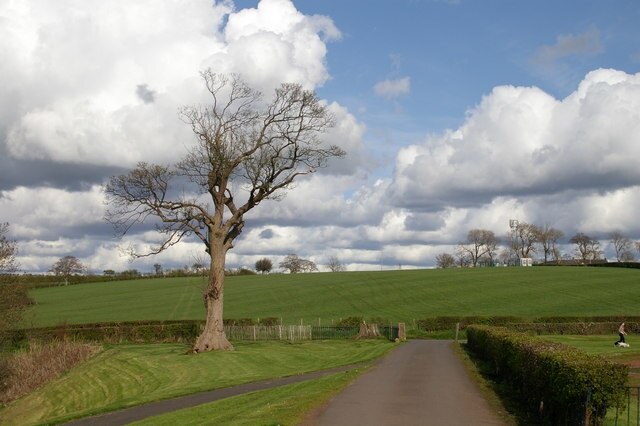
479	243
548	238
623	247
335	265
8	251
157	268
294	264
243	145
264	265
526	236
445	260
587	248
68	266
14	298
463	259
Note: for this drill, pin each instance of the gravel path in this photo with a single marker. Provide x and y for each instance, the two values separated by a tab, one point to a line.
422	382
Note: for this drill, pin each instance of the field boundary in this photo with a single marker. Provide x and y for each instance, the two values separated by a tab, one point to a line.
187	331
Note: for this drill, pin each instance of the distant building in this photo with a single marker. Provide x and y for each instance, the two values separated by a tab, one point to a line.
526	261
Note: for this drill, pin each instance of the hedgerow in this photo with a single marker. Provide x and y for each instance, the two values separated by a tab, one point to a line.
557	384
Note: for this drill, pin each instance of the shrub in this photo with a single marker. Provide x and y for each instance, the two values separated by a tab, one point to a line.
24	371
350	322
270	321
557	384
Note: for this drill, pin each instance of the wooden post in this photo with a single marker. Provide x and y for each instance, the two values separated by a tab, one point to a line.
402	332
457	331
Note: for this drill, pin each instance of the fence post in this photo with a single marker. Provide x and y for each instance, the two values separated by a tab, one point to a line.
402	332
457	331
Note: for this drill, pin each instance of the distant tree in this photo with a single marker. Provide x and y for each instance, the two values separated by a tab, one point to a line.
335	265
264	265
587	248
548	239
637	243
479	243
13	296
246	150
463	260
68	266
157	269
506	256
130	273
8	251
445	260
623	247
108	272
526	237
295	264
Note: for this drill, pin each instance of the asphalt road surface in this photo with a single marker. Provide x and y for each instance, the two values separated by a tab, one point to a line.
422	382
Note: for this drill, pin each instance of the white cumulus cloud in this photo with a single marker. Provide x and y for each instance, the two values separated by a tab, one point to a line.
393	88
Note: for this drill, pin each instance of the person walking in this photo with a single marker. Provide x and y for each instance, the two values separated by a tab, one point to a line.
621	333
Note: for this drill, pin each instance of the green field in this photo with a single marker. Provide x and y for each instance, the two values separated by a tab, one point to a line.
128	375
393	295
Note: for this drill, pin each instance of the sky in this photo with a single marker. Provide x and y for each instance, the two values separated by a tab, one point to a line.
454	114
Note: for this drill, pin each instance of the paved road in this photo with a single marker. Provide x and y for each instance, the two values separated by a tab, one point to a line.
420	383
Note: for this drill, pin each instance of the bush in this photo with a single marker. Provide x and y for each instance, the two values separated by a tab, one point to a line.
350	322
270	321
24	371
557	384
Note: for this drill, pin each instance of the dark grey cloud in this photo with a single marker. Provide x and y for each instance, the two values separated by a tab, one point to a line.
147	95
40	173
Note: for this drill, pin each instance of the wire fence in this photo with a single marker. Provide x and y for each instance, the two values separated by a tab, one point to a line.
629	413
299	332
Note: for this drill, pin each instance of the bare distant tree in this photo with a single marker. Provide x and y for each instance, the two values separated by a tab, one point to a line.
264	265
242	145
526	237
587	248
479	243
445	260
295	264
548	238
637	243
335	265
463	259
14	298
68	266
157	269
8	251
623	246
505	256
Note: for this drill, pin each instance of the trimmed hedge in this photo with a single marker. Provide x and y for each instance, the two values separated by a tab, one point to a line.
557	384
576	328
449	322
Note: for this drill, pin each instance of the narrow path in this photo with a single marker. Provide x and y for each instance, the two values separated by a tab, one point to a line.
420	383
140	412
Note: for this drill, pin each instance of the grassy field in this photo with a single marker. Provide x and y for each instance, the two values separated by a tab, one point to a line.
603	346
128	375
285	405
393	295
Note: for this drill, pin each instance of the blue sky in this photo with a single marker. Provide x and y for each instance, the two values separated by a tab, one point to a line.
454	115
455	52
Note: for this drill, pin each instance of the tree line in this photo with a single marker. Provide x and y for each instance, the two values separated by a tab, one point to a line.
483	248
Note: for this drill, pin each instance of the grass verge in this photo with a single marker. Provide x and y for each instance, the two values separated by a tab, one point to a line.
491	390
128	375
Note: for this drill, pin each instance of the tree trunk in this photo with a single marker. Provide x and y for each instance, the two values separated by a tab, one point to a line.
213	337
368	331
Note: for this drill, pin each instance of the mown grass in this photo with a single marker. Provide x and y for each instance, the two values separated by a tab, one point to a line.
393	295
128	375
285	405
